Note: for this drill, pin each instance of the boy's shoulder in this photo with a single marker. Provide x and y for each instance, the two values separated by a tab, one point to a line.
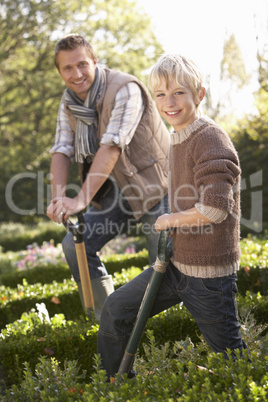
210	130
211	138
210	123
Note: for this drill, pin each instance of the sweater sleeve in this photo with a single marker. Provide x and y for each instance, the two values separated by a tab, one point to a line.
216	169
215	215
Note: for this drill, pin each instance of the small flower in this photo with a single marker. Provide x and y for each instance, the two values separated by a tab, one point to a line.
49	351
55	300
72	390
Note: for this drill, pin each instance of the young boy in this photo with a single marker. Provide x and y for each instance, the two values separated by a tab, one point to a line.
204	194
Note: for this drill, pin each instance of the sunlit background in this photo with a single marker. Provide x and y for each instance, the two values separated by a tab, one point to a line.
227	39
199	29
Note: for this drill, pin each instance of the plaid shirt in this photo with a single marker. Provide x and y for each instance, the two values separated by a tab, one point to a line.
124	120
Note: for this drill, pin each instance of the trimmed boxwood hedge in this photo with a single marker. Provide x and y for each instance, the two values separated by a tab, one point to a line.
31	337
70	337
50	272
16	237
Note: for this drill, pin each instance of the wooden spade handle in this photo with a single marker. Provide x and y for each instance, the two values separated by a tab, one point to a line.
84	275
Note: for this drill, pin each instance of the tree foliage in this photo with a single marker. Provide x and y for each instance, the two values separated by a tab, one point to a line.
31	89
251	140
232	64
233	78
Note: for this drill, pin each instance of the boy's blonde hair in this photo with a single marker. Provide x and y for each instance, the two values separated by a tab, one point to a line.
183	70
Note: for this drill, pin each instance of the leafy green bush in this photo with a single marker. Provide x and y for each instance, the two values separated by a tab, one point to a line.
42	274
16	236
117	262
27	339
59	297
36	334
181	372
253	279
54	358
253	274
46	263
257	305
49	381
254	251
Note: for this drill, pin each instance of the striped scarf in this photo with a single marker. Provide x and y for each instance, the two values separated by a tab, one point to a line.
86	142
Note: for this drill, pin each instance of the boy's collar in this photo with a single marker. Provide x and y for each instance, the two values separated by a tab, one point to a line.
182	135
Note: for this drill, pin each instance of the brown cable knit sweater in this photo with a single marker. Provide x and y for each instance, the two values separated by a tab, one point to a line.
204	169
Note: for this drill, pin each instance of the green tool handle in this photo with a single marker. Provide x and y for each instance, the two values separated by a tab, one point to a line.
145	307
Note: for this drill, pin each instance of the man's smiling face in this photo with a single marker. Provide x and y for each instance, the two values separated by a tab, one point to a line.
77	69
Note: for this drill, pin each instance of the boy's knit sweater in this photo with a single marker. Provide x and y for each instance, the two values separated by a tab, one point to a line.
205	172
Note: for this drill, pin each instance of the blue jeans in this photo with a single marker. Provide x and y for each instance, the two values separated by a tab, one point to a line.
211	302
101	226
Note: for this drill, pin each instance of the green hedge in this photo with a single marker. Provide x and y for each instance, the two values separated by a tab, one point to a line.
66	294
16	237
15	301
58	350
50	272
41	274
252	278
31	337
21	296
117	262
27	338
165	377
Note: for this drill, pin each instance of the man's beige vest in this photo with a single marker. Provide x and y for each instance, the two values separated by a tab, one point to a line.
142	168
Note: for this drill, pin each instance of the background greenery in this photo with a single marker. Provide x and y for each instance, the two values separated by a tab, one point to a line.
31	88
123	38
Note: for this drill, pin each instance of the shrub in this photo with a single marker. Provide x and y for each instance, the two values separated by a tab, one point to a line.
27	339
59	297
54	358
16	236
181	372
42	274
253	279
117	262
46	263
49	381
36	335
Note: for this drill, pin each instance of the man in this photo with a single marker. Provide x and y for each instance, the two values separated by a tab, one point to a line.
107	122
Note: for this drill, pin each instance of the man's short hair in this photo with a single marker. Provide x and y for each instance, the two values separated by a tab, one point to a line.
71	42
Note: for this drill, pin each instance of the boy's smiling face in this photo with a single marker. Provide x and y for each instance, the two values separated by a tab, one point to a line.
176	104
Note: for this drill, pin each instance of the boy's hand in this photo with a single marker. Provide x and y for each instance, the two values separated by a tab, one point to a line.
162	223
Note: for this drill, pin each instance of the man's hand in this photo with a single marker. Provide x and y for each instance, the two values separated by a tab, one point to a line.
61	208
50	212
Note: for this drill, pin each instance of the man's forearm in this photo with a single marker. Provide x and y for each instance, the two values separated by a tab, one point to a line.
102	166
59	171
